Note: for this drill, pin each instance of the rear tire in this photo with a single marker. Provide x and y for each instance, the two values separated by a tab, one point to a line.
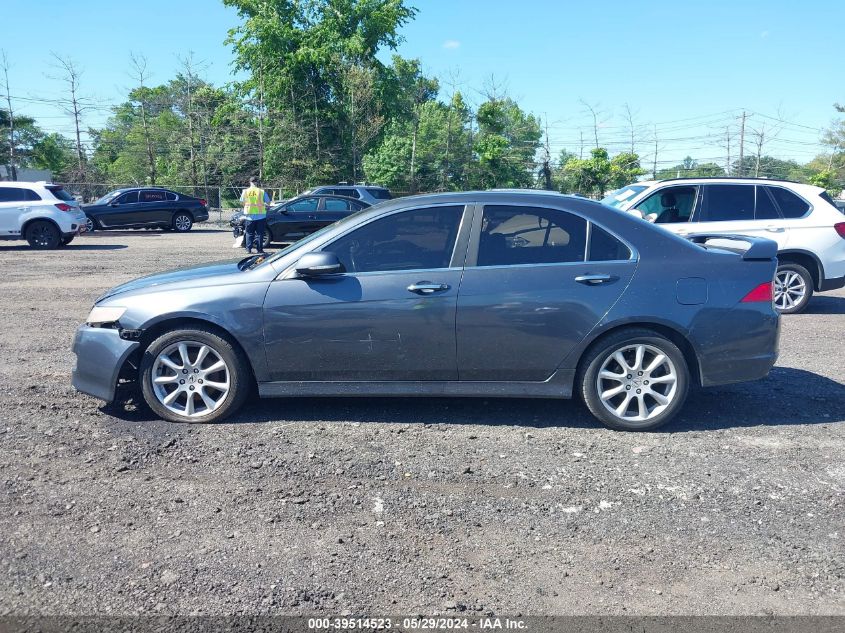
43	235
642	394
91	224
181	386
793	288
183	222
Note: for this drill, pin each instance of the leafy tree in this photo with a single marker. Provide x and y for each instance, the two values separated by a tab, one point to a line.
691	168
597	174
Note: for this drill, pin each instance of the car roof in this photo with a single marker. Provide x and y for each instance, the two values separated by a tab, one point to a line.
24	183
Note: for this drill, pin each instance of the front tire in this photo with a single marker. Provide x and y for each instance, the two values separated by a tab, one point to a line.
182	222
191	375
43	235
793	288
91	224
635	380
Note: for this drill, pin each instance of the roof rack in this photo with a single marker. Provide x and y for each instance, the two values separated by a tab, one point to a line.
730	178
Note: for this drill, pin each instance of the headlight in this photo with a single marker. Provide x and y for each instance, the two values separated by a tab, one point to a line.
104	314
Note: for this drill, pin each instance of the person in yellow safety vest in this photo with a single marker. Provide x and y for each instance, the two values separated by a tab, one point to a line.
255	201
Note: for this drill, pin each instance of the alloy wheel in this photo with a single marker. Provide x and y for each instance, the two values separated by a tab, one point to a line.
637	382
190	379
182	222
89	224
790	289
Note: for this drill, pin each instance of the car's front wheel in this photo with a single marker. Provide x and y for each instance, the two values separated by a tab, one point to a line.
183	222
191	375
44	235
90	224
793	288
635	380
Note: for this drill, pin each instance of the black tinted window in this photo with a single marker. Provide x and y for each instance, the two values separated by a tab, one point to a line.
724	203
409	240
604	247
530	235
171	196
59	192
333	204
152	196
128	198
379	194
12	194
352	193
765	208
791	206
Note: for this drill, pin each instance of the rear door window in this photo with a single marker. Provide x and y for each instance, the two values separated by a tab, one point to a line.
765	208
12	194
347	191
152	196
727	203
333	204
670	204
379	193
604	247
305	205
530	235
791	206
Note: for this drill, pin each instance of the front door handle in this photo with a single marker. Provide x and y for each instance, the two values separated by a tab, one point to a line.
427	288
774	229
594	280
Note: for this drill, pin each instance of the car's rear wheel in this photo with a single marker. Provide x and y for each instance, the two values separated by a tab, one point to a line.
182	222
190	375
793	288
91	224
635	380
44	235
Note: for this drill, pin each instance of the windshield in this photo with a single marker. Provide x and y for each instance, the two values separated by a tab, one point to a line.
621	198
107	197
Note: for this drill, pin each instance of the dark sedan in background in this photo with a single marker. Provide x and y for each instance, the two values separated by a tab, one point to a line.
295	218
145	208
489	294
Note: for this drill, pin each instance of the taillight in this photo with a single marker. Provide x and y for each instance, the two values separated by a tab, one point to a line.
61	206
203	202
840	228
761	293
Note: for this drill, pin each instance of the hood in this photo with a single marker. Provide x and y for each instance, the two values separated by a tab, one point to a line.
193	277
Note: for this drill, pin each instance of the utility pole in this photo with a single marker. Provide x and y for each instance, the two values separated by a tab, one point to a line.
654	164
741	145
13	171
728	145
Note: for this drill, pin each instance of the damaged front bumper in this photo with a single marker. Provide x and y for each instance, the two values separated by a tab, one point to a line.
100	355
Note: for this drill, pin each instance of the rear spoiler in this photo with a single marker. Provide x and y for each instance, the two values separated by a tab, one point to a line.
760	247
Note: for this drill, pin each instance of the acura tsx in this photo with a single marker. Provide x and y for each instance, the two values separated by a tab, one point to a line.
497	293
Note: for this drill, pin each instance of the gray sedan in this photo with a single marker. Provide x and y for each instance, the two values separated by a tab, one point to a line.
501	293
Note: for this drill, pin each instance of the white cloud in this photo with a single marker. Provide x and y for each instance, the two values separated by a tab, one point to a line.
451	44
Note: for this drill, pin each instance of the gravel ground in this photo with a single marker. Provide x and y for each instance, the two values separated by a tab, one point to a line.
391	506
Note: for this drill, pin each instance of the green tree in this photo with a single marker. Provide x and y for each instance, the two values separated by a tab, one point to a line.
691	168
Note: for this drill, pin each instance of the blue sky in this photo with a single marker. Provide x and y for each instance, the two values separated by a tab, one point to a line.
689	68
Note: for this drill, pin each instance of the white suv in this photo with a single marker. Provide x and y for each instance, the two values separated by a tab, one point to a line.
43	214
802	219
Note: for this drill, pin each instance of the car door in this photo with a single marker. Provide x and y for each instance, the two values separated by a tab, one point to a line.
13	204
537	280
298	220
153	208
672	207
122	211
743	209
334	209
389	317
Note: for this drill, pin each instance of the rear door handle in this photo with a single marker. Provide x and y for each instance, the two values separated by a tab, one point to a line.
427	288
774	229
595	280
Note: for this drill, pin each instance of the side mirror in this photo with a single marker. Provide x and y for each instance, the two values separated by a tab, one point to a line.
319	265
113	204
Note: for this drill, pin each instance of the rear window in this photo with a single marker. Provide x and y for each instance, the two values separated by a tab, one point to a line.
604	247
791	206
171	196
152	196
379	194
838	204
60	193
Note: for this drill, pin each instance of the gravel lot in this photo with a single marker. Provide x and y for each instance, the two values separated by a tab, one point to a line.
391	506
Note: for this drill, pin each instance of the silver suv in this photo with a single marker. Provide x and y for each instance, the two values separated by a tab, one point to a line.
43	214
368	193
802	219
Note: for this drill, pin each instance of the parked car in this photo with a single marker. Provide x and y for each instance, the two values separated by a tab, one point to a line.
43	214
301	216
493	294
145	207
802	219
368	193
